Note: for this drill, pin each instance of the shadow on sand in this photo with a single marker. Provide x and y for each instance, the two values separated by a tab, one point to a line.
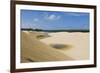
61	46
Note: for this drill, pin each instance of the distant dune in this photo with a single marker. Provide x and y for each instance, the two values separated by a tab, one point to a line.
33	50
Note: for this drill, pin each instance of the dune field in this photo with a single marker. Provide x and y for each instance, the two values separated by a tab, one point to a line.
54	46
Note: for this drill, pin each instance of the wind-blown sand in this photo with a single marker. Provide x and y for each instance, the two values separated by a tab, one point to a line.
77	43
59	46
34	50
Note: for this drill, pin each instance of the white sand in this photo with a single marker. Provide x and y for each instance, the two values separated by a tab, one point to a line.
78	41
34	50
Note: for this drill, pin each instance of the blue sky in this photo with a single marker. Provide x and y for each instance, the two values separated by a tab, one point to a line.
54	20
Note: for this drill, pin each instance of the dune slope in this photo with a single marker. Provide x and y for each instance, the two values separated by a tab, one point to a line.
34	50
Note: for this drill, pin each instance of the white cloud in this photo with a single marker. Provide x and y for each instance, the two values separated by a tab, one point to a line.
35	19
51	17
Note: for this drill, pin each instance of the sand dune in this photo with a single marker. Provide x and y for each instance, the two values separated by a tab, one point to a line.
34	50
76	43
58	46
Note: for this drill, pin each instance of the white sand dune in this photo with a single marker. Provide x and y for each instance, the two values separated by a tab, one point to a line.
34	50
78	43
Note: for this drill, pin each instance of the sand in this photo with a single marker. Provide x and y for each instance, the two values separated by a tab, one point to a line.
77	43
60	46
32	50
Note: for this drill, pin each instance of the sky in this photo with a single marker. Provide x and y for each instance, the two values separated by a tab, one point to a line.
54	20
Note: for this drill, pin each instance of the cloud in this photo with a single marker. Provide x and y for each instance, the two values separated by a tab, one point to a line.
52	17
35	19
